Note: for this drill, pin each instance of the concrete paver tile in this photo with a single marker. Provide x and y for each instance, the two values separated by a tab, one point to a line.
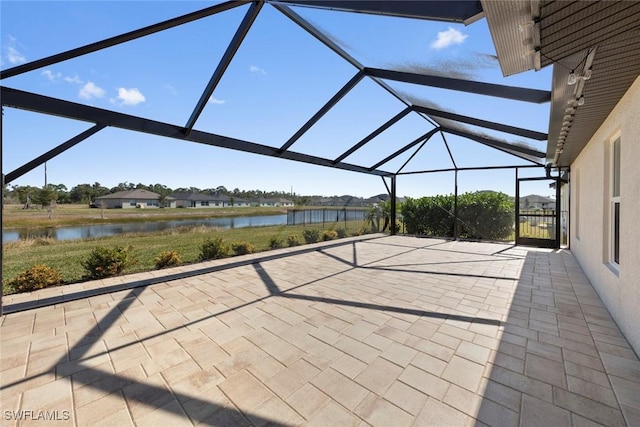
348	366
436	413
292	378
274	412
405	397
503	395
464	373
536	412
428	363
169	414
399	354
376	411
92	384
308	400
147	395
474	352
579	421
341	389
357	349
333	414
282	351
593	391
463	400
522	383
197	384
546	370
245	391
509	362
621	366
494	414
555	356
109	410
587	408
379	375
427	383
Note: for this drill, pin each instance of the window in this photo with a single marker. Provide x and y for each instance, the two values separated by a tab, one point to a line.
204	203
577	208
615	201
132	202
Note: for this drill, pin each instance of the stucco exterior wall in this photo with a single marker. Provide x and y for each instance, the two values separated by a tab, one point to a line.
619	288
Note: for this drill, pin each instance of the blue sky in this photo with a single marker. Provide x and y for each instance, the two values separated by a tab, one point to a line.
278	79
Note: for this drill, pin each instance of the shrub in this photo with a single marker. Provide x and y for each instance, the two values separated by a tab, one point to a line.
37	277
275	243
361	231
213	249
311	235
483	214
242	248
329	235
167	259
105	262
342	233
293	240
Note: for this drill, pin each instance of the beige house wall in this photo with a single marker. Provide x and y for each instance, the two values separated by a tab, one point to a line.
619	288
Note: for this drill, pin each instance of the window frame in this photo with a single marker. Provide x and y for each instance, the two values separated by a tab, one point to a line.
614	202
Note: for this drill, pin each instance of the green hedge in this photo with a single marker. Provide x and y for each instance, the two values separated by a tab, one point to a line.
482	215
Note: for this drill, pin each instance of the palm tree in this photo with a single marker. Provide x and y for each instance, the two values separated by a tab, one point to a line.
377	212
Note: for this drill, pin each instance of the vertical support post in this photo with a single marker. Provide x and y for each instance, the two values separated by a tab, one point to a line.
517	209
1	216
324	211
558	184
345	218
455	207
392	228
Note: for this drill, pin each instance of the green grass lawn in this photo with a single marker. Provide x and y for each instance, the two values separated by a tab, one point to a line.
66	256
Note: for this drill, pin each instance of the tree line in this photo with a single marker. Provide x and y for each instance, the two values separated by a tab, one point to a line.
85	193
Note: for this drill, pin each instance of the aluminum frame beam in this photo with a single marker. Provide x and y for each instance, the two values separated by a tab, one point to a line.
320	36
406	147
436	10
29	166
235	43
499	145
324	110
446	144
374	134
57	107
476	168
112	41
415	153
489	89
526	133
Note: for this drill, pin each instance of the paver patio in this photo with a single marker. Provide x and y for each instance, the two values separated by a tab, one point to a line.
382	330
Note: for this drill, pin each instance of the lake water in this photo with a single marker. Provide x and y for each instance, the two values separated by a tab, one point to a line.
102	230
293	217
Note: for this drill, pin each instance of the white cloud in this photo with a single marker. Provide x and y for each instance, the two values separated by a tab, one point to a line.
74	79
14	56
90	91
216	100
171	89
130	96
51	76
448	38
255	69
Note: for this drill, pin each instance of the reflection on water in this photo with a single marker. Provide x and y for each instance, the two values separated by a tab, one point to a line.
293	217
93	231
